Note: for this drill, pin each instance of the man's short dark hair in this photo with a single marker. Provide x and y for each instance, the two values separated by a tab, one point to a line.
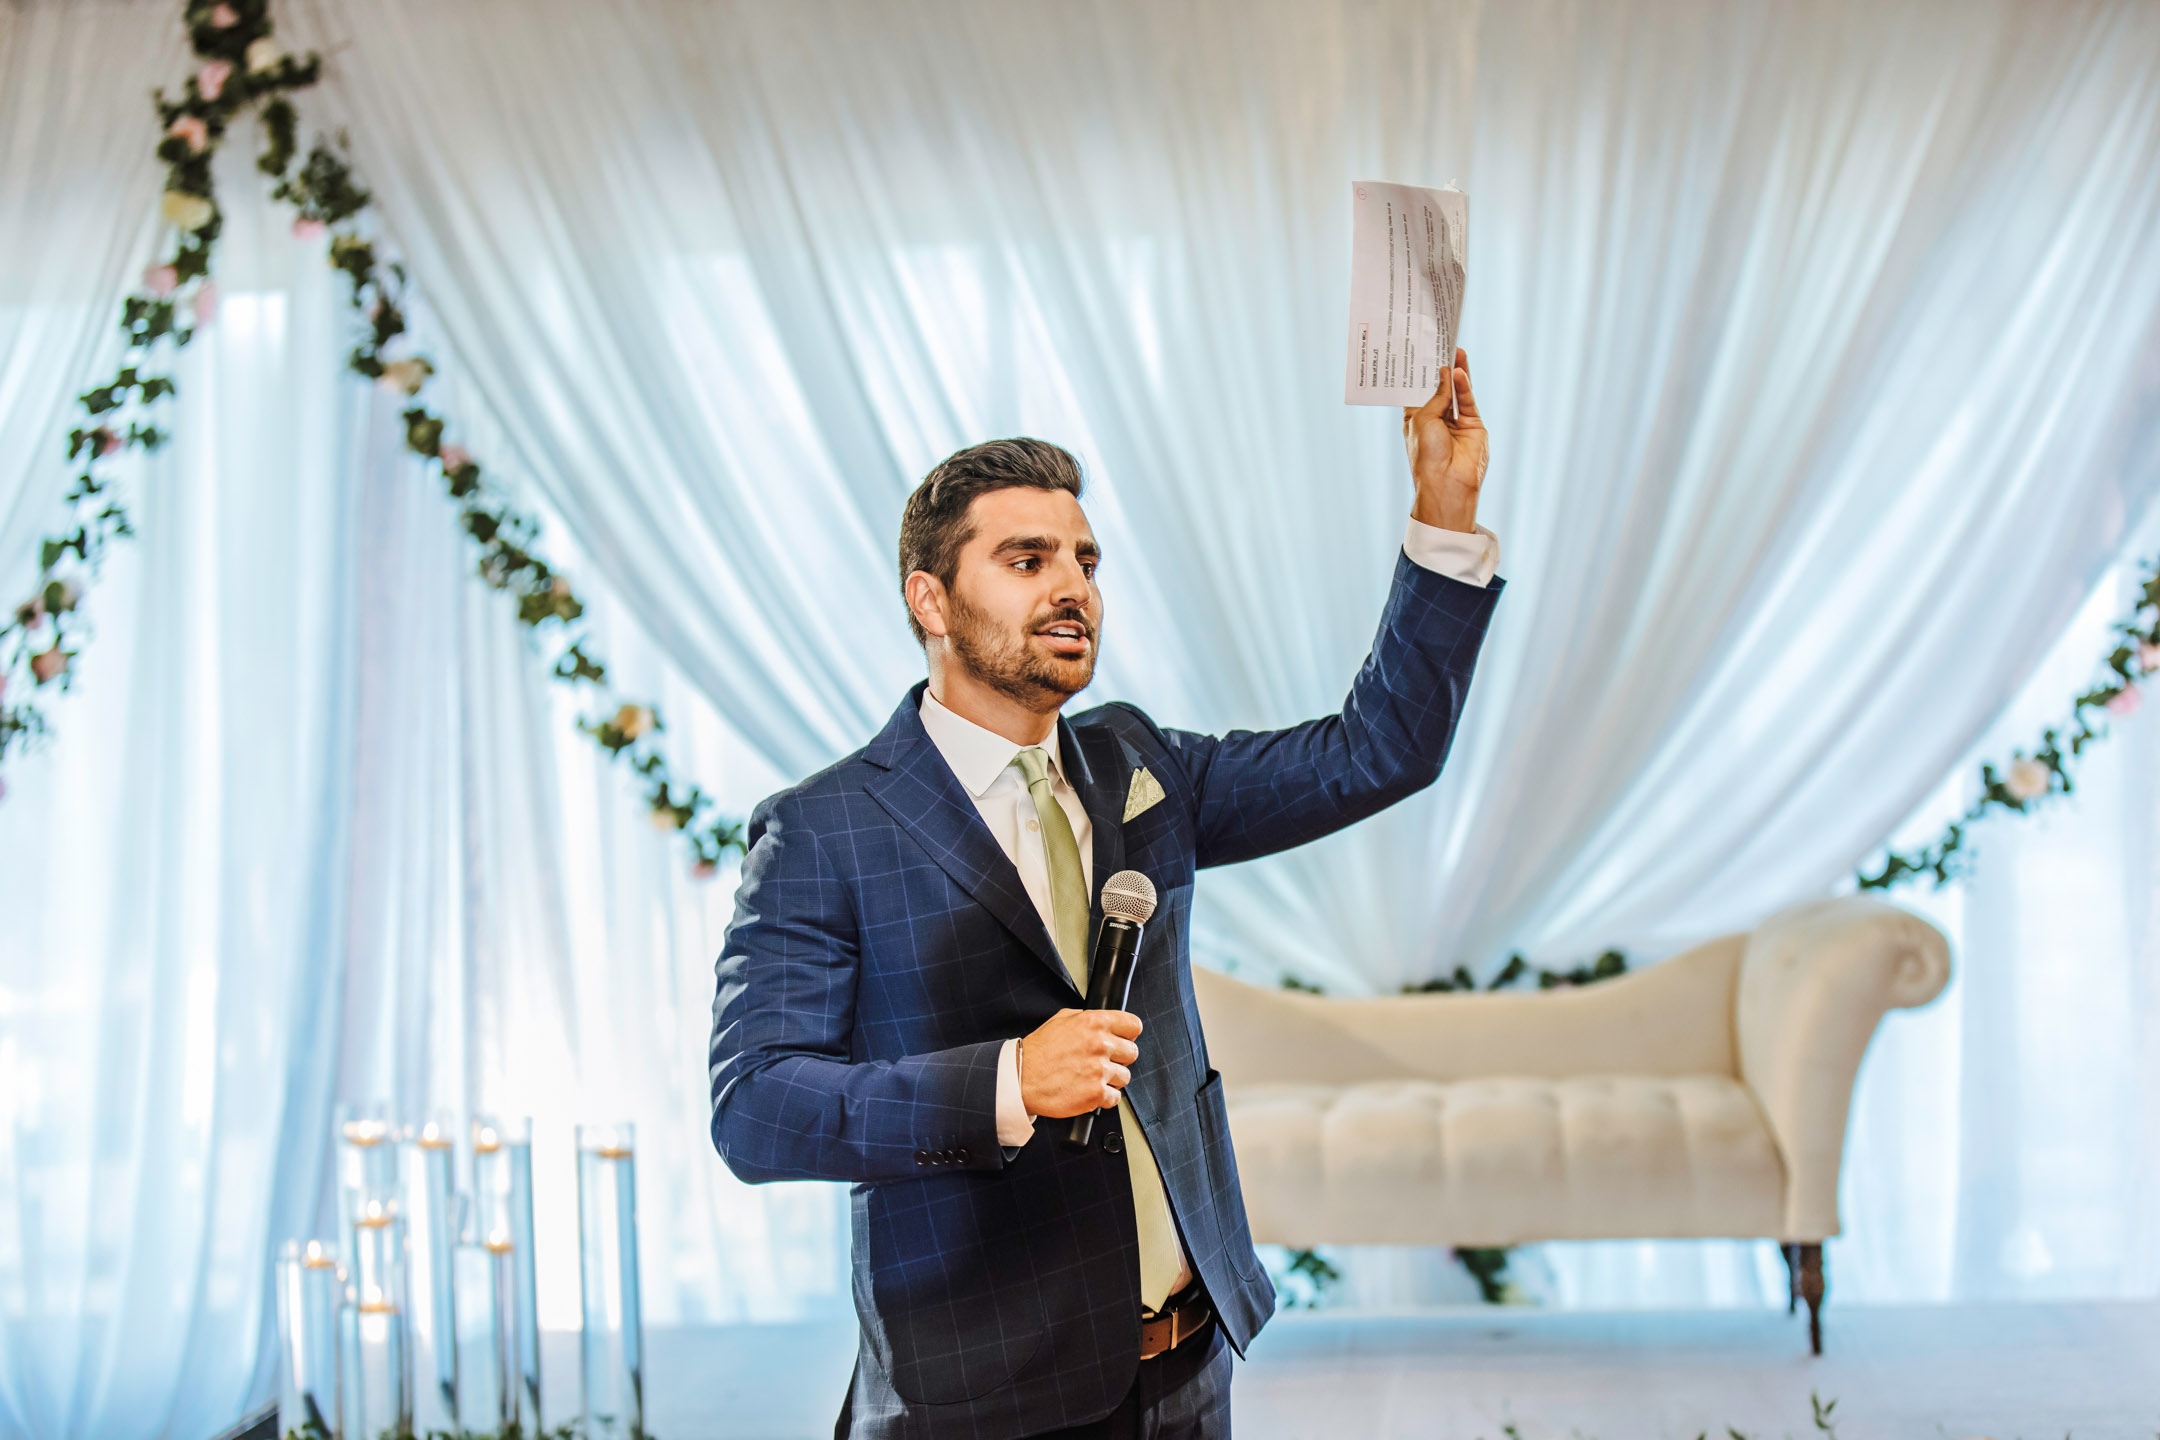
934	527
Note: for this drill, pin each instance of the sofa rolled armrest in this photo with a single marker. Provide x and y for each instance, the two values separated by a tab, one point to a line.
1815	981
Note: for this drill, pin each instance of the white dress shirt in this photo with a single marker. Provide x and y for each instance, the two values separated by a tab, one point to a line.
982	761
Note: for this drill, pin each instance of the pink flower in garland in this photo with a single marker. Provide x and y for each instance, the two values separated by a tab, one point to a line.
224	17
454	458
107	438
205	303
305	228
2125	701
50	664
161	280
704	870
210	80
193	129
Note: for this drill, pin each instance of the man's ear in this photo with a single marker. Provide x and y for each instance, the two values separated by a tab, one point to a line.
926	600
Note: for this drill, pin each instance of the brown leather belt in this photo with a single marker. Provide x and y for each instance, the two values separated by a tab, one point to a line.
1175	1324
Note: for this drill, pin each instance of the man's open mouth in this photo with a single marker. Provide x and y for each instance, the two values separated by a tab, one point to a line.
1068	638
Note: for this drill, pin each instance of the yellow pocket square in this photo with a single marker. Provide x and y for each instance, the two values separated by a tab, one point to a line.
1146	791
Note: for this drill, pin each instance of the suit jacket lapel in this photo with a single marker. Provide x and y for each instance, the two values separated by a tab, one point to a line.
920	791
1095	772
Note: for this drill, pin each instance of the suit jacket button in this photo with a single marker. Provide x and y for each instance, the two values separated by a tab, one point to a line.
961	1155
922	1157
1113	1143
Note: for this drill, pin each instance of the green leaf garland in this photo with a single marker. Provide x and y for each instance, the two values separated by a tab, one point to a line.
239	69
2028	780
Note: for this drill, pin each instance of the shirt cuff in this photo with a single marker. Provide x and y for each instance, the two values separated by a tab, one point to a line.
1472	557
1014	1125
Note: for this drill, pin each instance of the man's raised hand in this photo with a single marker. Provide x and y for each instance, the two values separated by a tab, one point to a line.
1445	440
1077	1061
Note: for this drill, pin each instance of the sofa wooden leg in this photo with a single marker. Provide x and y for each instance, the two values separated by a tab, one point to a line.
1811	1290
1792	1276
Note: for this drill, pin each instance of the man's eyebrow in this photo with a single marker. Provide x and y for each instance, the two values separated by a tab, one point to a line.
1044	545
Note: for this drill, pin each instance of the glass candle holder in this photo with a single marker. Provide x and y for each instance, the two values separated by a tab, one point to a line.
367	1163
503	1223
379	1384
436	1217
487	1359
613	1349
308	1296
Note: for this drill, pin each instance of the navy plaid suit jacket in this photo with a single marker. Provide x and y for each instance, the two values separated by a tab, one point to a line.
883	949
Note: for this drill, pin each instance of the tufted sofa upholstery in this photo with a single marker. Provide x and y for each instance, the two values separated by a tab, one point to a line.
1704	1096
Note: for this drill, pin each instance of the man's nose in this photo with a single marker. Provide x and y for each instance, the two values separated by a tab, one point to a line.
1068	583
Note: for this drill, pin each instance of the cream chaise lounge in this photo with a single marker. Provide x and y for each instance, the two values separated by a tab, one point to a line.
1704	1096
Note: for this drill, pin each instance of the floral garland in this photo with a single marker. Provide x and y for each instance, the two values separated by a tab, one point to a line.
2030	779
240	68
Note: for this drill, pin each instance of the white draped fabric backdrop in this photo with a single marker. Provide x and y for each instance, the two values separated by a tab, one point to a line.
1821	350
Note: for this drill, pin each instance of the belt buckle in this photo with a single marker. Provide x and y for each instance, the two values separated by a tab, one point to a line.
1184	1323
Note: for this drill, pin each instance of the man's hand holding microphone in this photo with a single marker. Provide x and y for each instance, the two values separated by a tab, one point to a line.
1076	1062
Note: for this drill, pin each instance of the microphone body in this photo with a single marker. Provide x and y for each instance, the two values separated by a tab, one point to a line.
1110	973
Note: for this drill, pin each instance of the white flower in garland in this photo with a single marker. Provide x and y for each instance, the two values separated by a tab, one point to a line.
407	375
2148	656
189	212
263	55
2029	780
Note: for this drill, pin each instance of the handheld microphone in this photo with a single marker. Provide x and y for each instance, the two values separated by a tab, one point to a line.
1128	901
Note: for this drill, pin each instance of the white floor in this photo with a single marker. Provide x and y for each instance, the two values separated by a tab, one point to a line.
2032	1371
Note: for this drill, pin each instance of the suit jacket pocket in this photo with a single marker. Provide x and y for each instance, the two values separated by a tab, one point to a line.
951	1307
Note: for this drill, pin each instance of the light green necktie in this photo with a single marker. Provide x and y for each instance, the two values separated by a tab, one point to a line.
1159	1256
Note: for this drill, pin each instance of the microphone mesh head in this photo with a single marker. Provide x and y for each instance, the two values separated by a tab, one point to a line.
1129	895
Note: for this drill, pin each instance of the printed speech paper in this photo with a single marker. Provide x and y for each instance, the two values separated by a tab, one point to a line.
1408	250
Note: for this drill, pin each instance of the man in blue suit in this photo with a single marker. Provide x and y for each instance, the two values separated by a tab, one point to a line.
899	992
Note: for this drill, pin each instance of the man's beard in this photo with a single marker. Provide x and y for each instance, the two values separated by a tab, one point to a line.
1008	664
